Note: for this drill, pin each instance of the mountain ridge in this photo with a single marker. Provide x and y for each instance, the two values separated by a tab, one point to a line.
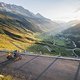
44	24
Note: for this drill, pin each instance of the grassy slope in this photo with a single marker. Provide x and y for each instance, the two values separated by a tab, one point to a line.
12	35
56	45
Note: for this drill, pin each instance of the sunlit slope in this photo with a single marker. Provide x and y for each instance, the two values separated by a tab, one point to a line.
13	35
73	34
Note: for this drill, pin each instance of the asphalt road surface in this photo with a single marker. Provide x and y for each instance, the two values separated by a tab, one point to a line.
35	67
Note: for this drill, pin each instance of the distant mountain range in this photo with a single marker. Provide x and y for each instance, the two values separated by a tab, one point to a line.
38	22
33	22
75	30
73	34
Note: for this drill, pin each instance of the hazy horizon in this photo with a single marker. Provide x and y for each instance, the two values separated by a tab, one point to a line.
59	10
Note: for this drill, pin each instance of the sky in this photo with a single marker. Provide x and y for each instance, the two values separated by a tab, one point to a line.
59	10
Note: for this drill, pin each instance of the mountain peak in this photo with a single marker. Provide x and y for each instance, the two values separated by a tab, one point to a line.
19	10
2	4
38	15
16	9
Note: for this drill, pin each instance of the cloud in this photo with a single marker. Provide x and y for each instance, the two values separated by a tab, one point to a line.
77	10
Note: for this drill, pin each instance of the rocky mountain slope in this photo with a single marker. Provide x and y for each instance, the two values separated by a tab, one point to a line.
14	32
18	26
40	22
